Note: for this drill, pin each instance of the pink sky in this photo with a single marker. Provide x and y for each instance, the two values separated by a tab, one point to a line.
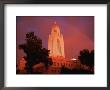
78	31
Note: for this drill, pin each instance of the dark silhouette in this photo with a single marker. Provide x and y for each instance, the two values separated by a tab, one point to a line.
35	53
87	58
65	70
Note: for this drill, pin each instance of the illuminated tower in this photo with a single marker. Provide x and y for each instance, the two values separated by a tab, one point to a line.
56	42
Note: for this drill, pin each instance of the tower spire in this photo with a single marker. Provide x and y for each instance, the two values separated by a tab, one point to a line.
56	42
55	22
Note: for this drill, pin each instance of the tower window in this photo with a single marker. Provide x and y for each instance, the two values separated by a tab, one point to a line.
55	30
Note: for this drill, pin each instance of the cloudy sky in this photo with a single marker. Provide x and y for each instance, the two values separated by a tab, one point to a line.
78	31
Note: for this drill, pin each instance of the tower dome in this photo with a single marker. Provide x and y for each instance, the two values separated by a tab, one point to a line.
55	28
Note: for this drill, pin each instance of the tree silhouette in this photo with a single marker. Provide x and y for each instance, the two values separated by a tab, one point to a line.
84	56
91	62
34	52
87	58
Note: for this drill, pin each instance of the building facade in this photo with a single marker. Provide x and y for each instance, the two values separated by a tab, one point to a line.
56	42
56	47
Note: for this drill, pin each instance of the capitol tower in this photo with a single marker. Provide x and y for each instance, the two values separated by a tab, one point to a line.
56	42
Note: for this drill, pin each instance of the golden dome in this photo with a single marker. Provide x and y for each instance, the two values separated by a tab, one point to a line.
56	28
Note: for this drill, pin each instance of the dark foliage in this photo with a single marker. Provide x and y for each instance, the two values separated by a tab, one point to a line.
34	52
87	58
65	70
